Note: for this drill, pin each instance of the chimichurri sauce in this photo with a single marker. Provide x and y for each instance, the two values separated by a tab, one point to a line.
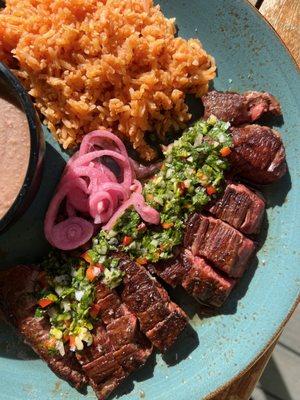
192	173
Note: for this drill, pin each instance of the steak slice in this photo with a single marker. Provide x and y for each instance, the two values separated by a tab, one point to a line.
222	246
171	271
200	280
258	153
132	356
204	283
118	347
165	333
161	320
101	345
104	374
239	108
122	331
191	228
17	301
153	315
240	207
99	364
109	308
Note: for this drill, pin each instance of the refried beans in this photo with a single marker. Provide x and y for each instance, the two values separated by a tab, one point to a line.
14	151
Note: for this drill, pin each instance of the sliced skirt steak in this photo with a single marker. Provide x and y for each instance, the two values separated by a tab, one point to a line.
239	108
258	154
221	245
206	284
161	320
240	207
17	301
118	347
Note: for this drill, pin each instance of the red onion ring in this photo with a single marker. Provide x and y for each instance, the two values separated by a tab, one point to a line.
92	188
119	158
147	213
70	209
104	200
74	231
96	138
71	233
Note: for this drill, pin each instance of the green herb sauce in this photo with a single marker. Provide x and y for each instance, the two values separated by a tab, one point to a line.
72	295
193	164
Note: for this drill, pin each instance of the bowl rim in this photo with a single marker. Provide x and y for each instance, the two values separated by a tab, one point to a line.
36	146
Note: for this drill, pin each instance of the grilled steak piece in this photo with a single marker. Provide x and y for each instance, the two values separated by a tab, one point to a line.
171	271
240	207
222	245
104	374
109	308
239	108
122	331
204	283
243	210
165	333
101	345
258	154
191	228
118	347
17	287
197	277
161	320
153	315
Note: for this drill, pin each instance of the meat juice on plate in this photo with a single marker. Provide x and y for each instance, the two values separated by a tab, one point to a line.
14	151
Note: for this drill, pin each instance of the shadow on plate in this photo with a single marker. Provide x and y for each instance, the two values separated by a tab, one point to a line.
271	120
187	342
12	346
277	193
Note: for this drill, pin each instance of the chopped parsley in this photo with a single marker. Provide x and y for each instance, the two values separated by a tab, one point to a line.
65	299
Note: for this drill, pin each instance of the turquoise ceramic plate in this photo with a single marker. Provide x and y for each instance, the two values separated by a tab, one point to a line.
217	349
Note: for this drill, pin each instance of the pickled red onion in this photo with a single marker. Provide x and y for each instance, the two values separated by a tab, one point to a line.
71	212
71	233
122	161
78	200
74	231
136	186
147	213
101	206
120	211
90	187
96	138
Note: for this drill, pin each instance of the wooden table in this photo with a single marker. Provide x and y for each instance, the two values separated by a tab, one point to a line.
284	16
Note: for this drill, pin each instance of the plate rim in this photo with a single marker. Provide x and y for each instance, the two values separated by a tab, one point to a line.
245	370
293	307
